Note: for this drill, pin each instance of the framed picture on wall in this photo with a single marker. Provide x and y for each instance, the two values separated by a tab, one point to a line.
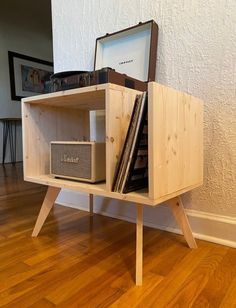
28	76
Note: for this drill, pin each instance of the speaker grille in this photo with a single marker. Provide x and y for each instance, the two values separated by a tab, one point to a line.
72	160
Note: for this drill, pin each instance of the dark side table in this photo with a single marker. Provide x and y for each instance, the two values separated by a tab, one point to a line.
9	134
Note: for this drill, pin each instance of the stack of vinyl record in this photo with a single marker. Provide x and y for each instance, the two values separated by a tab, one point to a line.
132	169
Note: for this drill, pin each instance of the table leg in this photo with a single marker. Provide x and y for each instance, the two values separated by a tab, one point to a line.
5	134
11	142
46	207
14	142
177	208
91	204
139	245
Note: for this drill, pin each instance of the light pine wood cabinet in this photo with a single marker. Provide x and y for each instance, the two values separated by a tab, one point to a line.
175	143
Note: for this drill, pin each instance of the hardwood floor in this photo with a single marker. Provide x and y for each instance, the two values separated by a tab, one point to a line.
12	184
84	261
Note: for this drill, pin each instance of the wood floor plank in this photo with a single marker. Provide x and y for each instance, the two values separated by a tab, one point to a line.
102	266
113	282
42	303
81	245
11	182
197	280
135	294
169	287
219	282
229	299
55	276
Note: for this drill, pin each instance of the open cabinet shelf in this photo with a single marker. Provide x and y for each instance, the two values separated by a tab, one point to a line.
99	189
64	116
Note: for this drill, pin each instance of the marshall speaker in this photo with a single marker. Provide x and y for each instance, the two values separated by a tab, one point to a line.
81	161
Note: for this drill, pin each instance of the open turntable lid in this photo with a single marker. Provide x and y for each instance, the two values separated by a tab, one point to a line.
132	51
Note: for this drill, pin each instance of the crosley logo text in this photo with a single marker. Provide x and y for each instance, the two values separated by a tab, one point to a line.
126	61
69	159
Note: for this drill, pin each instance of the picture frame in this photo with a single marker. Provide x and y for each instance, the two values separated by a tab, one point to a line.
29	76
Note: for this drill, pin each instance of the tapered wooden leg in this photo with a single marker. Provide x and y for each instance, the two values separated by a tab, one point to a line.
91	204
47	205
182	220
139	245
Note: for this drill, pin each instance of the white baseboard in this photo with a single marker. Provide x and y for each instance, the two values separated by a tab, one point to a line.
206	226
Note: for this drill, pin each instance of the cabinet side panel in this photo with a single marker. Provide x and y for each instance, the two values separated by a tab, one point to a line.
43	124
176	141
100	161
28	138
152	142
119	106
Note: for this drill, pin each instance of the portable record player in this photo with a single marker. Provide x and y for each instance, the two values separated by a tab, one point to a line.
126	58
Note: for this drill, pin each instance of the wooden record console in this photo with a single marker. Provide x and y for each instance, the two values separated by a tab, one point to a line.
175	143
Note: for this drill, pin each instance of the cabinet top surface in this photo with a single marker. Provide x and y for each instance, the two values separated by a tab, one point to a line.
77	91
92	92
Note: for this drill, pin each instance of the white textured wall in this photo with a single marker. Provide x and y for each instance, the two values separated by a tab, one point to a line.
196	54
22	31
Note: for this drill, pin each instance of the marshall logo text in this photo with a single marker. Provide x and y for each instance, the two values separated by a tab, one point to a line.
69	159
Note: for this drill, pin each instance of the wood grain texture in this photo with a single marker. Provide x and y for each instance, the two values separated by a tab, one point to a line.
42	124
46	207
12	184
139	245
87	98
100	189
181	218
119	106
175	136
78	264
